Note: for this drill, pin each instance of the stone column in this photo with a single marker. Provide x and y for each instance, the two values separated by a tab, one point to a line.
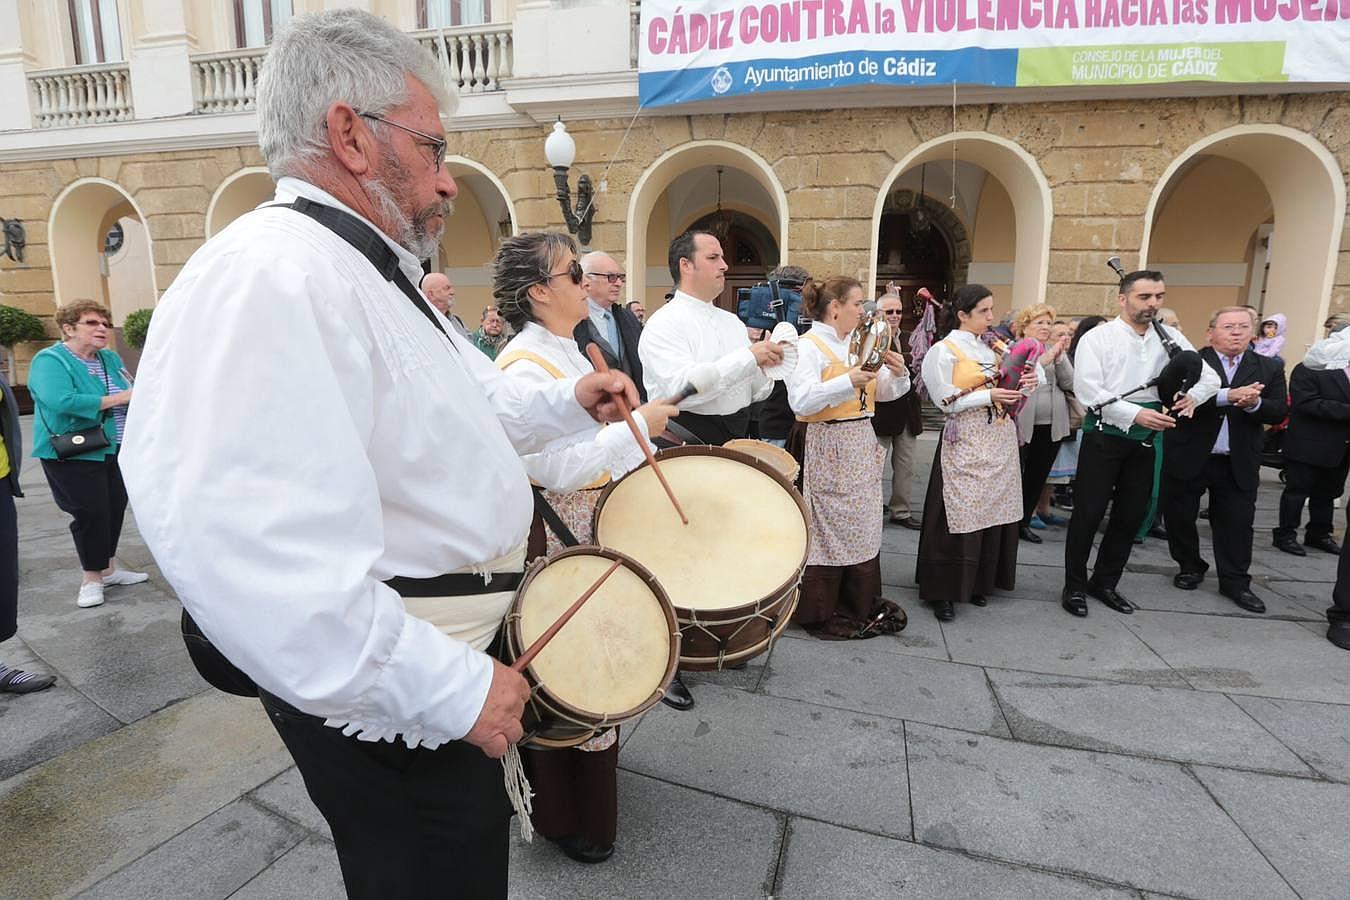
15	60
161	73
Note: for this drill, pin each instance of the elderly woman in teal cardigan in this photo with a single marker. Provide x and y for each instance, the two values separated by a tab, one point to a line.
76	384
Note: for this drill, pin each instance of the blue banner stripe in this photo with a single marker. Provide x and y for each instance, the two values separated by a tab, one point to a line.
974	65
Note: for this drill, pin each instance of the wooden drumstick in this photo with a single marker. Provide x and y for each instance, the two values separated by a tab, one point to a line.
533	650
598	360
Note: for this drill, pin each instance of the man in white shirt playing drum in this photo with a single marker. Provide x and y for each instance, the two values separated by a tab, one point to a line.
330	478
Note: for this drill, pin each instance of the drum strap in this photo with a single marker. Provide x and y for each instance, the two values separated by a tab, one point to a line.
553	520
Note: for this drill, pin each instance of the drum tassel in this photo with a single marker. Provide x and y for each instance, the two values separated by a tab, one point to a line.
519	791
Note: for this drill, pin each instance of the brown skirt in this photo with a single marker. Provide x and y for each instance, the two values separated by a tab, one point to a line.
575	793
956	566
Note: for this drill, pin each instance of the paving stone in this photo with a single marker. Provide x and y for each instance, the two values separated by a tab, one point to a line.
1315	596
1317	732
286	796
1247	656
129	791
308	872
1169	723
1041	637
843	767
726	849
1130	821
212	859
36	727
841	675
1156	592
827	861
1299	825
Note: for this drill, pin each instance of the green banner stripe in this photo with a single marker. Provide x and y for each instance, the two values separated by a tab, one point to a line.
1253	61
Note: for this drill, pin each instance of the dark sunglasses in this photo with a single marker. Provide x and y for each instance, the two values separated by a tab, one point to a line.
573	271
892	312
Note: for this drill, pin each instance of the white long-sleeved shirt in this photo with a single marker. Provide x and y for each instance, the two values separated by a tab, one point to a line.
571	462
939	363
1113	358
686	332
808	394
300	433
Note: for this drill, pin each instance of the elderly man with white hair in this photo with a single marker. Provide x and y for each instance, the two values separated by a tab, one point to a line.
350	540
440	293
609	324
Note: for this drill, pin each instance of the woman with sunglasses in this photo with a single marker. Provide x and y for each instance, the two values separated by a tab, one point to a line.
537	286
78	384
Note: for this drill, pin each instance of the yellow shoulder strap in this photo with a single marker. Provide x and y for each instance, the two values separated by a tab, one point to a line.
829	354
506	359
955	351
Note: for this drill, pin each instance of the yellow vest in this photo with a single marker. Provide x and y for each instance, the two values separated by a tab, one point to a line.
967	373
504	362
850	408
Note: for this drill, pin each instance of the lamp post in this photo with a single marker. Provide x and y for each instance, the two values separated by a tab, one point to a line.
560	150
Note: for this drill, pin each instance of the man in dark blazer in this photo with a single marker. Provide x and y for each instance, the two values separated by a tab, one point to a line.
610	325
1316	457
1219	450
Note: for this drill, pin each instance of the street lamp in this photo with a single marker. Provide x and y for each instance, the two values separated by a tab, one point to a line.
560	150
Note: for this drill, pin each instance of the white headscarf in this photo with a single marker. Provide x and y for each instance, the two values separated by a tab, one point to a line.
1331	352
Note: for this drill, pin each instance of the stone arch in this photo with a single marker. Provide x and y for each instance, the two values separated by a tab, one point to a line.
80	218
944	218
655	181
1307	200
484	214
1018	173
236	195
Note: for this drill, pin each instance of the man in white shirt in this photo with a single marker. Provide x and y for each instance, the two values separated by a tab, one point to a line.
691	329
1117	460
609	324
307	432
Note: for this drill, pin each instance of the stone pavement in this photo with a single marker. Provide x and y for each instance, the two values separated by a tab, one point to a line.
1189	750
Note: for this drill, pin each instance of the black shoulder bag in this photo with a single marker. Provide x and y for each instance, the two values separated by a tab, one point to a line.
73	443
210	663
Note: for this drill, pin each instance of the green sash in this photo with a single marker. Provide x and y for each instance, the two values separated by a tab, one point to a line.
1138	432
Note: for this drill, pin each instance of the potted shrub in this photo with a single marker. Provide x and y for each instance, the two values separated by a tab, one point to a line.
135	327
17	326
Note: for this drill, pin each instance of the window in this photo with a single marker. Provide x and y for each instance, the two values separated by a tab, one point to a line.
448	13
255	21
93	25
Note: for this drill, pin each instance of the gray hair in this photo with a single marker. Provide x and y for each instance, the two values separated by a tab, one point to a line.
523	261
337	56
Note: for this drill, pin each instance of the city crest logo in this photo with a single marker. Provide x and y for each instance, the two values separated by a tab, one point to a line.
721	80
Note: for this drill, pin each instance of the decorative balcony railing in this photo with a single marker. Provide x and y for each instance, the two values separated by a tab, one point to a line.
478	56
81	95
635	19
226	82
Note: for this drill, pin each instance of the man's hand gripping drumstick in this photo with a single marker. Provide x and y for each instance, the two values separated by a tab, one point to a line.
602	367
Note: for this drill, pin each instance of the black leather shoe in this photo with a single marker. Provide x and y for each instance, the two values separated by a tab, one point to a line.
1026	534
1339	634
1249	601
1075	603
677	697
943	610
1289	545
979	600
1326	542
1188	581
1111	598
909	522
584	851
1157	531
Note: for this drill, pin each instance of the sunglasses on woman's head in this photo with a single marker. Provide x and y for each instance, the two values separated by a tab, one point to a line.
573	271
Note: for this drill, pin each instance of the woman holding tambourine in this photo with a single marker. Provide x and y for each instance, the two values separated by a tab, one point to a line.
80	394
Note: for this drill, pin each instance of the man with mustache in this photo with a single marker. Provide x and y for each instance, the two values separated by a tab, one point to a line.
329	476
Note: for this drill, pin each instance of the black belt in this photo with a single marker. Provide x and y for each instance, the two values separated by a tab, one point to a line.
458	584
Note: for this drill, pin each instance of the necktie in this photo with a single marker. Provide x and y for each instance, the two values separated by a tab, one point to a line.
612	333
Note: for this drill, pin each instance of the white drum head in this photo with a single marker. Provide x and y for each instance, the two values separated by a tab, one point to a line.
746	536
613	654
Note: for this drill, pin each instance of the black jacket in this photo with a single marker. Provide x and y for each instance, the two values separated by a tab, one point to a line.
1186	448
9	430
1319	417
630	329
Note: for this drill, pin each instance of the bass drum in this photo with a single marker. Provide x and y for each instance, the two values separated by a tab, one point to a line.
732	573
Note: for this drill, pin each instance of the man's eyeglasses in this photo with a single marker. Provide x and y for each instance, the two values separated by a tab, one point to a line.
892	312
573	271
611	277
436	144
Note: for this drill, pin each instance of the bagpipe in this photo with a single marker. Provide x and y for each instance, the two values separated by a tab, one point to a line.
1014	364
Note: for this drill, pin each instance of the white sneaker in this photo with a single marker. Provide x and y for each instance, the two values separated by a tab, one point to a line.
125	576
91	594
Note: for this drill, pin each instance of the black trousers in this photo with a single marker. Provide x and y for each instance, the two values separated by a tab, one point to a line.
1231	513
1319	486
1038	457
716	430
407	823
1339	611
1113	471
9	565
93	494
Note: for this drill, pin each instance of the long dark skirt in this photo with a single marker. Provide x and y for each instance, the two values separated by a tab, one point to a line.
575	793
956	566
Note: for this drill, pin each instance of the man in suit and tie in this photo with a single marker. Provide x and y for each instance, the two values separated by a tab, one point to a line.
611	326
1219	450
